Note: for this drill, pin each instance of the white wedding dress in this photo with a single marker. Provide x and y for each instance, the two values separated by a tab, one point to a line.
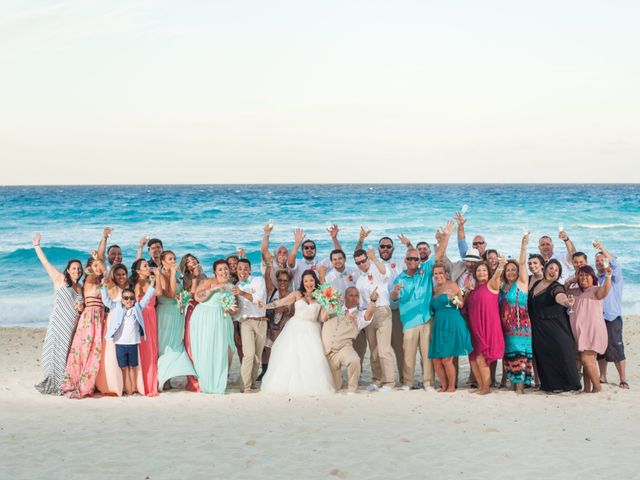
297	365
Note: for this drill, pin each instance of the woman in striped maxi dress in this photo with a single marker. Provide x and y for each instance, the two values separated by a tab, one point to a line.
62	322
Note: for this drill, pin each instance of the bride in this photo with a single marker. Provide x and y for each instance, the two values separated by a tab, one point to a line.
297	365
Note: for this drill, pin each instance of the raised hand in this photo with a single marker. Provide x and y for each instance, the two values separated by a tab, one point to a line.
298	235
241	253
144	240
371	253
597	245
525	239
322	271
404	240
502	262
106	232
563	235
438	235
448	229
333	230
460	219
364	233
235	290
94	254
36	239
268	228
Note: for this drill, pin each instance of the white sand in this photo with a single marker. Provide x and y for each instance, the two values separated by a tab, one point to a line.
394	435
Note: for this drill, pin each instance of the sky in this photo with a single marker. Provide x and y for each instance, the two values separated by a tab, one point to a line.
239	91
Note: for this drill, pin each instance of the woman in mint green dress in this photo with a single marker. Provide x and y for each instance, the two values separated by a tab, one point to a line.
450	336
173	360
211	330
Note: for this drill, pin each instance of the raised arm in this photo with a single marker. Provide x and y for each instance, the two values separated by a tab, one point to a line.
107	300
603	250
298	237
264	247
405	241
522	262
462	242
333	232
267	274
605	288
444	240
56	276
102	246
363	234
494	282
571	249
204	290
371	253
147	296
141	245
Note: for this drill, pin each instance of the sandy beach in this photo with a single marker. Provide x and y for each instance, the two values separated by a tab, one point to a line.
394	435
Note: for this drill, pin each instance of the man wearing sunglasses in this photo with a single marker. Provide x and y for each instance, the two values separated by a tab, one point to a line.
309	260
385	250
412	291
374	278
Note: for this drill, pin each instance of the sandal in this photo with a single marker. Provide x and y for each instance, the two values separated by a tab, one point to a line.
624	385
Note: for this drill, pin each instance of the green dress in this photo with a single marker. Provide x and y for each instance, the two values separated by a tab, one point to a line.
173	360
211	332
449	335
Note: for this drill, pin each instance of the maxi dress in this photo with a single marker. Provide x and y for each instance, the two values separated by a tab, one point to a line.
60	331
518	351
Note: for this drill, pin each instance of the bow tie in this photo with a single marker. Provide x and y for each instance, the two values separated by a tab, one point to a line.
244	283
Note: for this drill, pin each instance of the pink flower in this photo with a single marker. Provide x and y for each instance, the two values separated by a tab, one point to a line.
370	277
313	267
350	278
393	266
421	272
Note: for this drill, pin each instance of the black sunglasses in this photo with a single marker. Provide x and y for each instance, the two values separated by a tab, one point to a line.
477	243
412	259
128	297
361	262
385	246
308	247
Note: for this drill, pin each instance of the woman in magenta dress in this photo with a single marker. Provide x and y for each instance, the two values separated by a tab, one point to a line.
86	348
140	274
587	323
191	273
484	320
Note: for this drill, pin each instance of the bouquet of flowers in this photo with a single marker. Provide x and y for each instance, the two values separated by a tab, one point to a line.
328	297
228	301
183	299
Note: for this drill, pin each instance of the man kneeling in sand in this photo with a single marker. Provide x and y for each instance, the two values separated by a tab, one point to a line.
338	334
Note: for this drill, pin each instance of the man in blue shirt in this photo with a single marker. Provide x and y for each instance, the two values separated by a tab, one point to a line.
412	290
612	307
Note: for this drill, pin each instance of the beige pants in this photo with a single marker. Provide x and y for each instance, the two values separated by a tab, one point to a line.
345	357
253	333
397	342
360	346
379	338
418	338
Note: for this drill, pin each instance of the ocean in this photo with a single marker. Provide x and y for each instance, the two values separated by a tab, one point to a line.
211	221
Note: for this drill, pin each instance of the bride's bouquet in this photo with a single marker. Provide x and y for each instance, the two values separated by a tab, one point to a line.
183	299
328	297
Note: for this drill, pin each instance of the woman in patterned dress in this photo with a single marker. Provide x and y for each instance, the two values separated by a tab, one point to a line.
518	352
62	322
86	348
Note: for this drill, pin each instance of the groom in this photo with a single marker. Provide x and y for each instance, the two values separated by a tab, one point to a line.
338	334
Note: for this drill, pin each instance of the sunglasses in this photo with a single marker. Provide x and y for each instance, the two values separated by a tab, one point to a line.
385	246
361	262
412	259
477	243
308	247
128	297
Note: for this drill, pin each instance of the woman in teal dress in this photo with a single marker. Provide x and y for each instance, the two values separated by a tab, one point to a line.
450	336
211	330
173	360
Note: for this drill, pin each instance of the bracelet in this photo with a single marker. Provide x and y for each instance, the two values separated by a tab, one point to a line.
36	244
609	276
565	241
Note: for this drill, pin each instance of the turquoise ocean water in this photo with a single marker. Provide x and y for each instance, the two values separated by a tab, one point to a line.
210	221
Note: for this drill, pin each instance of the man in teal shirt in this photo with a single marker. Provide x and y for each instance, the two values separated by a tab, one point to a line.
412	290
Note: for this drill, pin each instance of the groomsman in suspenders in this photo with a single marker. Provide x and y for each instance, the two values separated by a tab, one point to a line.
385	250
338	334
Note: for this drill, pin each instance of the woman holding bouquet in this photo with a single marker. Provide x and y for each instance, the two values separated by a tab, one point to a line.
298	365
211	330
173	360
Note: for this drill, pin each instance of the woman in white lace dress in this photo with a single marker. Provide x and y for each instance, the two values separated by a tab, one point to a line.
297	365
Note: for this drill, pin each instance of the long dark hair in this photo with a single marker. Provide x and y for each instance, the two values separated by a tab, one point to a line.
67	277
133	279
304	274
187	276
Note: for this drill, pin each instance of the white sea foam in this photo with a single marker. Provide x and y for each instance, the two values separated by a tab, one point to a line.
598	226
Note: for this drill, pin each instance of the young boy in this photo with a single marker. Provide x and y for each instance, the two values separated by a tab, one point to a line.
126	329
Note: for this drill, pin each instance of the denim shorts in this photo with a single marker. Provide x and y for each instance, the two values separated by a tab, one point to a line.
127	355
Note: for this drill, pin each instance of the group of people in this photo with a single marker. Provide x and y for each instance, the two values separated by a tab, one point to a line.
122	332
